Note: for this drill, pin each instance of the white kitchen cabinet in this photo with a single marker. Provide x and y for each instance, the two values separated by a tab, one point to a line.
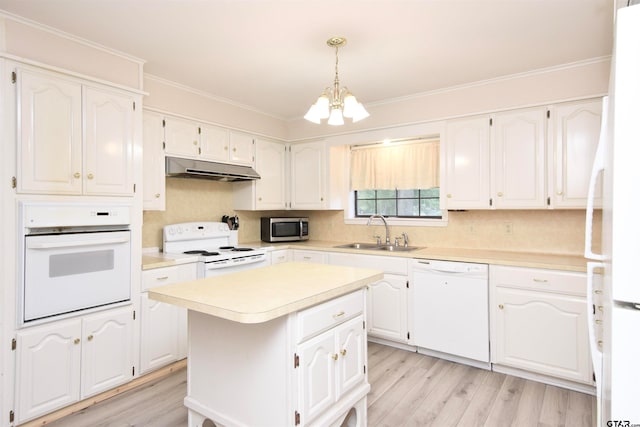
318	179
153	188
163	328
468	163
281	255
575	131
302	255
74	138
213	143
387	299
60	363
539	322
270	191
241	148
518	156
181	137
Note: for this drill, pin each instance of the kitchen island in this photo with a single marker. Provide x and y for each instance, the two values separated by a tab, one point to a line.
283	345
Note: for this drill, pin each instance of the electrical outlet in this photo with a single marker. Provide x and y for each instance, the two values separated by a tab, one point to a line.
508	228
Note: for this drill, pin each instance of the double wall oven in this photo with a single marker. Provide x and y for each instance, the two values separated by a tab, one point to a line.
74	257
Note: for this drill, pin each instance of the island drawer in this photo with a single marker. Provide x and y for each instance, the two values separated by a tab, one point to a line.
325	316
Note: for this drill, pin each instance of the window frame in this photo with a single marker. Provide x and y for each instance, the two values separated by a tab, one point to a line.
397	198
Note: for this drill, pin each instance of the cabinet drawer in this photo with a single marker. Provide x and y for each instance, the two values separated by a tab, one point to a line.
168	275
388	264
564	282
329	314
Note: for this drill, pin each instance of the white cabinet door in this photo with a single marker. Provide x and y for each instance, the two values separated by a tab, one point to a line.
519	139
108	143
575	133
182	138
541	332
107	350
351	355
214	143
241	148
49	134
308	175
387	308
467	163
316	381
47	368
271	165
153	188
160	333
309	256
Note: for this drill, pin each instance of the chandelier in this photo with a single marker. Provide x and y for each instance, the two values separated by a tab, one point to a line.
336	103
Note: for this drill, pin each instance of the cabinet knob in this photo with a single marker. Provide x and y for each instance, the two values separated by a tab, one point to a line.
343	352
226	148
335	356
234	149
90	176
449	196
499	194
195	142
90	338
559	193
322	199
259	199
157	195
76	341
76	175
501	307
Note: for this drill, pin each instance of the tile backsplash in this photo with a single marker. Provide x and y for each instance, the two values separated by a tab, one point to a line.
550	231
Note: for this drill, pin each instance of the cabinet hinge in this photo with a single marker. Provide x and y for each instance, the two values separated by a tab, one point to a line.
134	315
164	123
407	284
296	360
14	344
164	145
364	325
490	122
408	335
134	188
14	77
134	105
548	201
490	202
594	375
133	371
548	114
14	182
199	151
297	417
12	416
199	130
364	369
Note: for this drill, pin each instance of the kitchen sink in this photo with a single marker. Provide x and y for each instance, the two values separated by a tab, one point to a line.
375	247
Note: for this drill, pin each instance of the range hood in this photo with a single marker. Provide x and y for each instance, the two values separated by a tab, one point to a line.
187	168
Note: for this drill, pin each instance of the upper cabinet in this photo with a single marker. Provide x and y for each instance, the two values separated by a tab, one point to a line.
153	190
193	140
534	158
574	130
73	138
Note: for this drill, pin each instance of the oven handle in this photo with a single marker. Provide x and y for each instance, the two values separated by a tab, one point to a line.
50	245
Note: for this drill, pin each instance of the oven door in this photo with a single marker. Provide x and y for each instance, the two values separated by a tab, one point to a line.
69	272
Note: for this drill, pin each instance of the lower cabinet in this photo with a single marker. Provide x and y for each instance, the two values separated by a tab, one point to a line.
281	255
387	299
63	362
163	327
539	322
318	257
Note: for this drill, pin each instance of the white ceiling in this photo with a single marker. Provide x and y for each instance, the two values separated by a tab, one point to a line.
271	55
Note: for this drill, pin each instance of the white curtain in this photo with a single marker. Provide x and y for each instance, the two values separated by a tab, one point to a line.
403	166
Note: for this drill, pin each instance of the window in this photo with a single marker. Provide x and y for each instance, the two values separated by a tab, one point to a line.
423	203
397	180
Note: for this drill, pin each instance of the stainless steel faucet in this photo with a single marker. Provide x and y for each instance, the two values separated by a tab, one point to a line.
386	226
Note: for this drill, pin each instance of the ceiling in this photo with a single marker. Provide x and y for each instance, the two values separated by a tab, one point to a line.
271	55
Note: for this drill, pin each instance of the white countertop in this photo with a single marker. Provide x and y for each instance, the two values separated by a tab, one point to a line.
263	294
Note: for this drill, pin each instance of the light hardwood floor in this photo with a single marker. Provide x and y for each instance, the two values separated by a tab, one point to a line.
407	389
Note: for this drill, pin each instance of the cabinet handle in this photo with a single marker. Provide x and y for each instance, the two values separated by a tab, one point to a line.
501	306
598	322
599	292
343	352
76	175
157	195
90	176
90	338
449	196
162	278
76	341
335	356
195	142
322	199
336	316
540	280
499	194
259	199
226	148
559	193
234	149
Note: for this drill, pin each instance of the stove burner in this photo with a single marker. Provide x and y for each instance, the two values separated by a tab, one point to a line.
241	249
200	252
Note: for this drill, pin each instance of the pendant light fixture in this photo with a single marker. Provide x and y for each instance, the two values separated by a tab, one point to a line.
336	103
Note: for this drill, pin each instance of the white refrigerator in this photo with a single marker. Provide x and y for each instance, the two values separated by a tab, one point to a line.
614	324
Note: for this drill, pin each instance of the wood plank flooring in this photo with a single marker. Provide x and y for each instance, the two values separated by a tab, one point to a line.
407	389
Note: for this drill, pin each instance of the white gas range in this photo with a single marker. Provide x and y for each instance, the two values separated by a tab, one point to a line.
214	244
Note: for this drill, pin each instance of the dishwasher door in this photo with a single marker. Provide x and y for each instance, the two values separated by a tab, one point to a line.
450	306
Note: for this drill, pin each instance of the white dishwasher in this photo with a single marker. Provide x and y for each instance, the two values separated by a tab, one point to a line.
450	308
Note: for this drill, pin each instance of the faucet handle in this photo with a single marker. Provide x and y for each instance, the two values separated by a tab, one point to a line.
405	236
378	241
397	241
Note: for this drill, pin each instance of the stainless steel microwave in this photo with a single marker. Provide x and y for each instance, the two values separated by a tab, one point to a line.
274	229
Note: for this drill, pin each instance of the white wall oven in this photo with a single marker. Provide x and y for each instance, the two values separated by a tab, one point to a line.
74	257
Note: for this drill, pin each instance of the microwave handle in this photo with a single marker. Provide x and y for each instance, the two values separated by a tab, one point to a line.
52	244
